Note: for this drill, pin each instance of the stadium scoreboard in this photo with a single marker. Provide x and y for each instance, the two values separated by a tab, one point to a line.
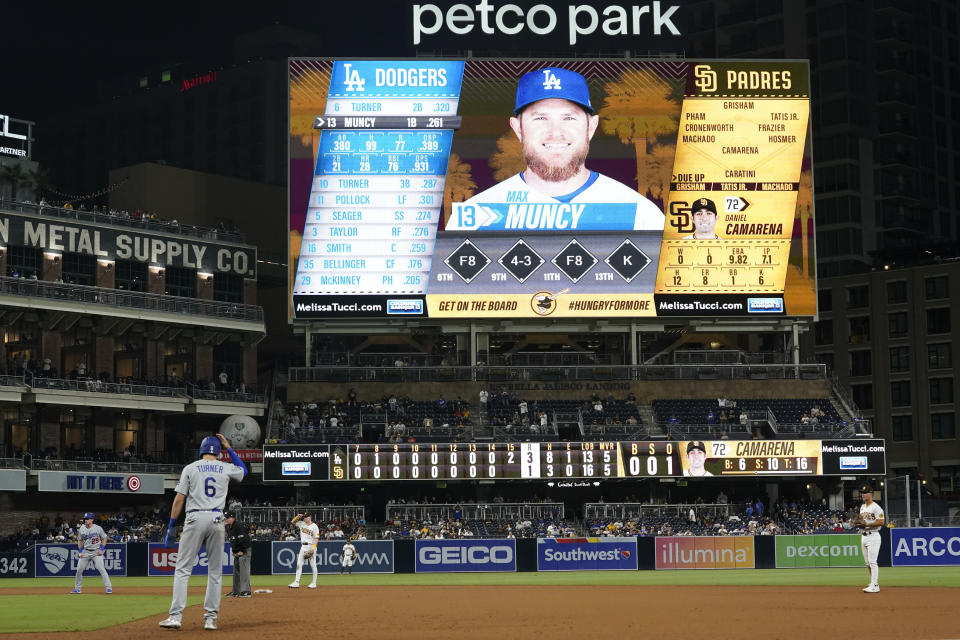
578	460
406	214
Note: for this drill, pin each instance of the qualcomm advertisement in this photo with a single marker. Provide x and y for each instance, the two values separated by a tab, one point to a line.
373	556
586	554
61	560
450	556
162	560
928	546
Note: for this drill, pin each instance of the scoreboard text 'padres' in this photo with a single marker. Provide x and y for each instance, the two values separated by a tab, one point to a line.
584	460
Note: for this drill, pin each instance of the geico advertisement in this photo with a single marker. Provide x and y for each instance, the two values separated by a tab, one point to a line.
162	560
586	554
436	556
705	552
825	550
925	547
373	556
60	560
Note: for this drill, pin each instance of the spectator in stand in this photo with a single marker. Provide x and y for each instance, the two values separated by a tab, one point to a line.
442	403
484	396
743	418
711	417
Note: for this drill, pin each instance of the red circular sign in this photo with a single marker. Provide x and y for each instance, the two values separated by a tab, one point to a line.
133	483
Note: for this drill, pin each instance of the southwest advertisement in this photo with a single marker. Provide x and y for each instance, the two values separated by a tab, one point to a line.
705	552
61	560
586	554
827	550
162	560
925	547
422	188
373	556
457	556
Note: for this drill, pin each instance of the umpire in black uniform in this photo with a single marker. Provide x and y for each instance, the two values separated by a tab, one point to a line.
239	537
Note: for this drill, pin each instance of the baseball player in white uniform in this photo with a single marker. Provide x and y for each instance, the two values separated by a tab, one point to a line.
92	540
555	122
870	522
704	213
203	490
309	536
347	557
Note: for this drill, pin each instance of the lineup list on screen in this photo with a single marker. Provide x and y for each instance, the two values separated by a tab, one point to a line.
375	241
377	189
581	460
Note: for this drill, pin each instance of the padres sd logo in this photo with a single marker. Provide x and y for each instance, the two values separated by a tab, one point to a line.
680	218
705	78
543	303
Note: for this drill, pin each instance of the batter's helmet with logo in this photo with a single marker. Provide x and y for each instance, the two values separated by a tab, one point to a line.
211	445
88	516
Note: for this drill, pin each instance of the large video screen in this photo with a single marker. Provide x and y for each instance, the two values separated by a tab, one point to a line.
550	188
583	460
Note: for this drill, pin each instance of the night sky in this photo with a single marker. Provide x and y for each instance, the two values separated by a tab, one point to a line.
54	60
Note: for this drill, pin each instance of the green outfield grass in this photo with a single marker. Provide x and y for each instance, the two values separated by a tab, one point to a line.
93	609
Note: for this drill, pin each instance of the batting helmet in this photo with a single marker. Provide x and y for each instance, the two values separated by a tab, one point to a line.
211	445
88	516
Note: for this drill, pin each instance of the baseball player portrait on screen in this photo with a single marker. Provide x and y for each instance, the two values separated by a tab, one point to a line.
555	122
202	491
309	536
870	520
92	541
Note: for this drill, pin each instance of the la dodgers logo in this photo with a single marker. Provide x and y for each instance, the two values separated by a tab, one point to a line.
353	82
550	80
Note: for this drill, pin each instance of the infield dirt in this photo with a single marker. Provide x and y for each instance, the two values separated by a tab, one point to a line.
559	612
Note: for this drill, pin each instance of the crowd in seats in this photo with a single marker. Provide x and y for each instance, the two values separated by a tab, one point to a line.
411	420
809	518
129	526
456	528
732	415
333	420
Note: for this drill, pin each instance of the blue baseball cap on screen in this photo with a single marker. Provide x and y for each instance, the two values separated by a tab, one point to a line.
552	82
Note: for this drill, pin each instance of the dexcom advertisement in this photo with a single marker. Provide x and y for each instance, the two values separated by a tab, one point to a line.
587	554
931	546
452	556
61	560
162	560
373	556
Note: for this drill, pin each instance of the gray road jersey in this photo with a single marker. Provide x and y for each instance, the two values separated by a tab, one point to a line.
205	483
93	537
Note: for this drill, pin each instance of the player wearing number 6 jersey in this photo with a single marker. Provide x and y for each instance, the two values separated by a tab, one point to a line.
92	541
203	491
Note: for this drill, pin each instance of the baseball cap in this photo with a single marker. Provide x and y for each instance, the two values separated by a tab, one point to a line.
704	203
229	514
552	82
88	516
866	489
696	444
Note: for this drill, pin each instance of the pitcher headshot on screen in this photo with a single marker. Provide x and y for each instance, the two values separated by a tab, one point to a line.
704	214
555	122
696	459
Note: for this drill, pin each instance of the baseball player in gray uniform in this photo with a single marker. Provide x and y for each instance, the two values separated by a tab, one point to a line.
92	540
203	490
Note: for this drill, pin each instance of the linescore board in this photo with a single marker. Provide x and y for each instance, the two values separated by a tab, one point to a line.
407	198
581	460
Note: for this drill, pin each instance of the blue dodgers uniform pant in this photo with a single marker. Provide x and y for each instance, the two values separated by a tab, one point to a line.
201	529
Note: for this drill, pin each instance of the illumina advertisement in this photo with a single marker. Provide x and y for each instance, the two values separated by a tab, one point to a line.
550	188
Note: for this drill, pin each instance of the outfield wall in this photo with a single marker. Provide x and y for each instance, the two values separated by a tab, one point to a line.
916	547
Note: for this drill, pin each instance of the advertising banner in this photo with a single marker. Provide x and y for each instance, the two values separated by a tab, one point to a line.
16	565
80	482
450	556
705	552
162	560
13	480
928	546
373	556
61	560
826	550
586	554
